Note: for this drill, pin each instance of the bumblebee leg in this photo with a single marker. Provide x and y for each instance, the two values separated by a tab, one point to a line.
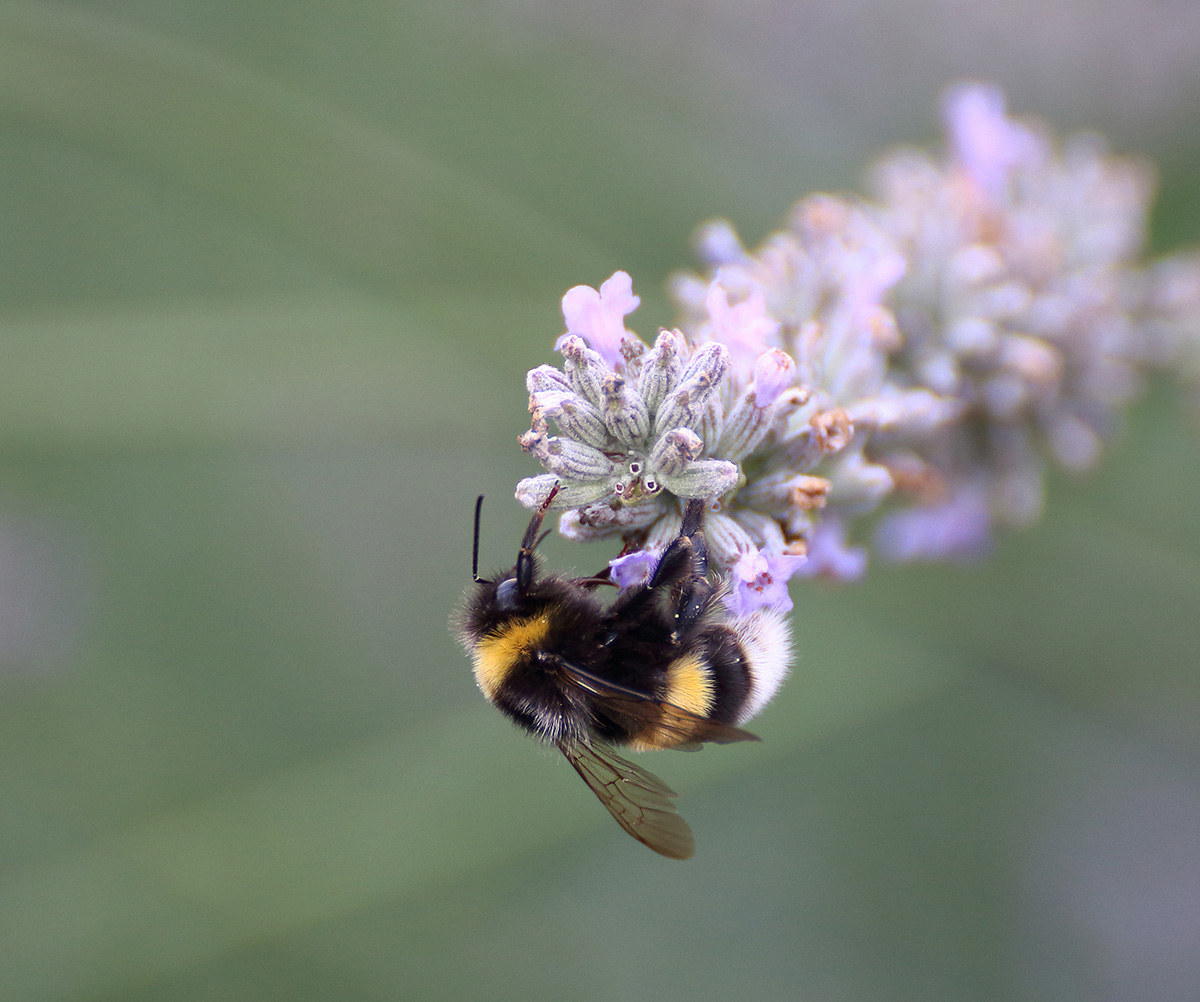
524	573
685	563
680	557
694	596
693	514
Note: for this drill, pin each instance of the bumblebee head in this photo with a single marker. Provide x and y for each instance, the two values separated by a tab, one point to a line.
496	601
513	588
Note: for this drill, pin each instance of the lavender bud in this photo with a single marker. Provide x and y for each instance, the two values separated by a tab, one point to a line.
674	450
546	377
857	483
776	492
727	540
602	521
704	478
833	429
765	531
774	372
625	414
633	352
661	367
687	404
575	417
572	460
585	368
533	491
664	530
746	426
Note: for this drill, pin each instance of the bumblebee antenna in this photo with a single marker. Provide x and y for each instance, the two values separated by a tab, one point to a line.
529	543
475	548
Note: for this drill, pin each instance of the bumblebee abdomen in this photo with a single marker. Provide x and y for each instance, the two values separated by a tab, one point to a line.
689	683
765	643
729	672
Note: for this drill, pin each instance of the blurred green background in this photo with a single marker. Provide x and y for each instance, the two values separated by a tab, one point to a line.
270	276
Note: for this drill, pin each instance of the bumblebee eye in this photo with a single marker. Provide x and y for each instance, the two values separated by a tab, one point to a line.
506	594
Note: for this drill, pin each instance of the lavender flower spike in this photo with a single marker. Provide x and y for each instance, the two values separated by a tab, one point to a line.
917	360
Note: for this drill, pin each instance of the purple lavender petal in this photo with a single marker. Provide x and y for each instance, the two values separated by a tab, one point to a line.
745	328
830	557
760	579
984	140
774	372
599	317
958	529
633	568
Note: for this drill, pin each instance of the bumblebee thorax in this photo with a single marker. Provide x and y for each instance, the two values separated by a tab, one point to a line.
509	648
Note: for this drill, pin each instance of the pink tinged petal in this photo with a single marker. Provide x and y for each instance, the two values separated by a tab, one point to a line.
745	328
774	372
984	140
717	243
599	317
957	529
830	557
633	568
760	579
617	294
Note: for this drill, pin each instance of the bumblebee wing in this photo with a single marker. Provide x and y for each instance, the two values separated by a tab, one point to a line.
689	728
639	800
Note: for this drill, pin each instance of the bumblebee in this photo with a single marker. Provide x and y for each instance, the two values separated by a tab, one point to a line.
660	666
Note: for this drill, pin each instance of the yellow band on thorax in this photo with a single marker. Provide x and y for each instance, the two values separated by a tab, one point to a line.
496	655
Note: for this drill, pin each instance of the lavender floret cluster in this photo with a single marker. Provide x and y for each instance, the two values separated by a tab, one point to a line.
629	431
904	367
1023	299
